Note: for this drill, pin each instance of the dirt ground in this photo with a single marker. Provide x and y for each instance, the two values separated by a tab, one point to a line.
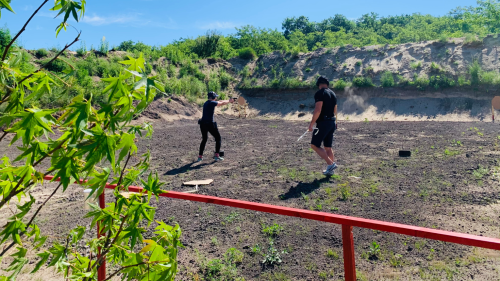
451	182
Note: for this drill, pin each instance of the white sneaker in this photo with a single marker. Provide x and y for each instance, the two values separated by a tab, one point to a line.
330	169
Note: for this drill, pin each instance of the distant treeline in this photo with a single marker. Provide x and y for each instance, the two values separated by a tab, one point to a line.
302	35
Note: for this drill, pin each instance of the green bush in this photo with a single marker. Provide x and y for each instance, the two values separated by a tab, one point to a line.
340	84
471	38
362	82
247	53
416	65
188	86
462	81
387	79
191	69
359	63
475	72
438	82
443	38
421	82
57	65
435	68
41	53
490	78
225	79
403	81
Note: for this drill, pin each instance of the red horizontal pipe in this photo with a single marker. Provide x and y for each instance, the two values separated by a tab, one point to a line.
428	233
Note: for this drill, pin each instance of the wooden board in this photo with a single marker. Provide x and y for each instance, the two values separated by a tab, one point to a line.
201	182
241	101
496	102
128	194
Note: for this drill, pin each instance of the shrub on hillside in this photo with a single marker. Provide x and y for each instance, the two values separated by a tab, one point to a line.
421	82
225	79
475	72
41	53
56	66
435	68
340	84
403	81
247	53
440	82
387	80
362	82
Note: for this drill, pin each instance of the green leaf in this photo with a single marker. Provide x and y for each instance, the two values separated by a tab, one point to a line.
5	4
44	258
135	64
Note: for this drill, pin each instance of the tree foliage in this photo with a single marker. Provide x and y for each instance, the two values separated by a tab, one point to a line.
83	143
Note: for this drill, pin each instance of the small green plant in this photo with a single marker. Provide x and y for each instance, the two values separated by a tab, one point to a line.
332	254
273	255
256	249
233	255
396	260
435	68
448	152
359	63
480	172
104	46
374	250
366	121
272	230
308	69
234	216
416	65
345	191
214	241
369	69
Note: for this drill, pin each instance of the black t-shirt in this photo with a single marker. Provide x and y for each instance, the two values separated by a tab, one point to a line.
329	100
208	111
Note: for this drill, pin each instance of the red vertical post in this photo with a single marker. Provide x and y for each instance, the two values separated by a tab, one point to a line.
349	259
101	273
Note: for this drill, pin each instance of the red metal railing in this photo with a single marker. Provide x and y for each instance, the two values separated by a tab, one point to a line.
347	225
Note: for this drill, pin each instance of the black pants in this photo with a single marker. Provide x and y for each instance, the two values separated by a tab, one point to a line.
212	129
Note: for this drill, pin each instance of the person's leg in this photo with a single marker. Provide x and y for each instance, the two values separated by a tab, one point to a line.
204	134
214	131
328	142
322	153
319	135
329	153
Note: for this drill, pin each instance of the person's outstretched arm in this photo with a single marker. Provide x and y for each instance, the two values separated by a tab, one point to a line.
224	102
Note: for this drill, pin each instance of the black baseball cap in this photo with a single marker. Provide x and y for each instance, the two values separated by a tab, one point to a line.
212	95
322	80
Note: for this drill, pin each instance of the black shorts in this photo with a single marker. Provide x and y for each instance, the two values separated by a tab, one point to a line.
323	133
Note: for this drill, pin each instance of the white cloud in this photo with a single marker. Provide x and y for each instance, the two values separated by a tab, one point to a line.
219	25
130	19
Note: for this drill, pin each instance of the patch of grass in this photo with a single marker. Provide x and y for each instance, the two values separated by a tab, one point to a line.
480	172
214	241
234	216
345	191
416	64
396	260
308	69
448	152
435	68
359	63
332	254
272	230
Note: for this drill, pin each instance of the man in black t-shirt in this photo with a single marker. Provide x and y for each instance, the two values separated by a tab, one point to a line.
208	125
324	116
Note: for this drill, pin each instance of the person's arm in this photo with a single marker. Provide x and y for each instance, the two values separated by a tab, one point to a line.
316	113
335	112
224	102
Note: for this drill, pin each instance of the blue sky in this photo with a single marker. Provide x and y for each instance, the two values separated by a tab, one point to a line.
159	22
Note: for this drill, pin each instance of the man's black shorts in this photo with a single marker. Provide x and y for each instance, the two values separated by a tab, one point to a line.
323	133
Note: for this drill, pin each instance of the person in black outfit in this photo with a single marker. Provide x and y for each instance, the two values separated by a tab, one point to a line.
324	116
208	125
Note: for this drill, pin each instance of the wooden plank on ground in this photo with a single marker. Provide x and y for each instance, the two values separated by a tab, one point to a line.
200	182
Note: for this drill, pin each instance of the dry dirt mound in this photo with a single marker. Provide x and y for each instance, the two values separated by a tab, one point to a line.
170	109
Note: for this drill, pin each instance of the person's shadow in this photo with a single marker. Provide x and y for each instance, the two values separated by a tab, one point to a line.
303	188
185	168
